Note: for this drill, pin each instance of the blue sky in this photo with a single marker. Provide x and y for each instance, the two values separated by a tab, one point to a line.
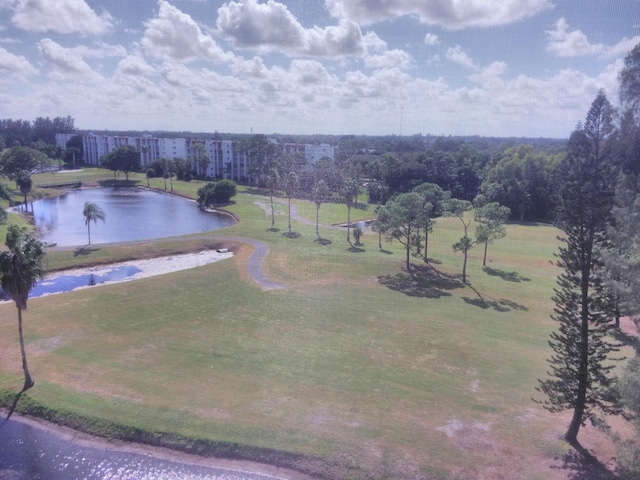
461	67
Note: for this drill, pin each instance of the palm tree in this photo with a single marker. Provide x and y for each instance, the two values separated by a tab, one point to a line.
290	184
320	194
349	192
24	183
21	267
92	212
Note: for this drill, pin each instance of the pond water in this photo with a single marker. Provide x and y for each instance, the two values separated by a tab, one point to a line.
131	214
30	453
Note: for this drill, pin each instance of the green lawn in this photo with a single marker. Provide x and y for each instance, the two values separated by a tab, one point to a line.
379	373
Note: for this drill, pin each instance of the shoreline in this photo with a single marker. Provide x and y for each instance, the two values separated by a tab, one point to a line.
161	453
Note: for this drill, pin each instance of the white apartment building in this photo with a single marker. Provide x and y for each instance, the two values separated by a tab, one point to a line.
225	160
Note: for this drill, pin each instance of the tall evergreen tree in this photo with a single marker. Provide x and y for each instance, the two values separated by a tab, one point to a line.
581	379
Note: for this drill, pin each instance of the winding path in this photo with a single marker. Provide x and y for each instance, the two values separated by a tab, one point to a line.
254	262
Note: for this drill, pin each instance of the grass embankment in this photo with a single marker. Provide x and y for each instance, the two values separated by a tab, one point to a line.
376	372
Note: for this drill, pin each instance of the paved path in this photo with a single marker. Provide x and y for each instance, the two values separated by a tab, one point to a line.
254	263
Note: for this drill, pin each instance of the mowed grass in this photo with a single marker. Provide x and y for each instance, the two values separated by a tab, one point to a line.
379	372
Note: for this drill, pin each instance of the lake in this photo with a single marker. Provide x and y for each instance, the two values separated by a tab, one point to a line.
29	453
131	214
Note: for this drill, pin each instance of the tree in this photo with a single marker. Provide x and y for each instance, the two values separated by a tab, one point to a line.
272	183
125	159
433	200
20	158
4	195
580	376
92	213
216	193
24	183
223	191
349	192
21	267
290	185
319	195
455	207
261	153
629	79
400	218
201	159
628	451
491	218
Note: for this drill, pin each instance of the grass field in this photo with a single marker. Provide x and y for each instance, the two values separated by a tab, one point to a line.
365	370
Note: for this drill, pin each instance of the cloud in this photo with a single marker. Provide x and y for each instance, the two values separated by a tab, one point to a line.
100	50
570	44
565	43
272	27
64	62
175	35
459	56
135	66
61	16
11	64
389	59
431	39
448	14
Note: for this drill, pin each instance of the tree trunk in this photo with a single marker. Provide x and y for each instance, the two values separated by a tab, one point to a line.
484	259
289	214
273	215
464	267
426	243
28	381
89	230
583	370
317	220
348	224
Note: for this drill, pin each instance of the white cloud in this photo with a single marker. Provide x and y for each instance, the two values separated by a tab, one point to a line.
175	35
564	43
459	56
431	39
389	59
135	66
11	64
623	47
64	62
448	14
251	24
271	26
60	16
100	50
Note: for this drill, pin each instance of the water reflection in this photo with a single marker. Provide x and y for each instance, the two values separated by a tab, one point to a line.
132	214
30	453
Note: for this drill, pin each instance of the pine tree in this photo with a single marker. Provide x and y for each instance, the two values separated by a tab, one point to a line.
581	378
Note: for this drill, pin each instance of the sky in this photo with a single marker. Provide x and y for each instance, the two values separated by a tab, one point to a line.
523	68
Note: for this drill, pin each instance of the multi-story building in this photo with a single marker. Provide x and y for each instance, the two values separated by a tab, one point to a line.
225	161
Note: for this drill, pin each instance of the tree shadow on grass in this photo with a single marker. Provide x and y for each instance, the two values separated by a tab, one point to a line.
86	250
387	252
626	339
322	241
273	229
506	276
291	235
502	305
582	465
421	281
354	249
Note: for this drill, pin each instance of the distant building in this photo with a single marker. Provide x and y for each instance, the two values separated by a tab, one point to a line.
225	160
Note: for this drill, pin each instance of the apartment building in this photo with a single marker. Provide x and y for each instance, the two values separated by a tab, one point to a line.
225	161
